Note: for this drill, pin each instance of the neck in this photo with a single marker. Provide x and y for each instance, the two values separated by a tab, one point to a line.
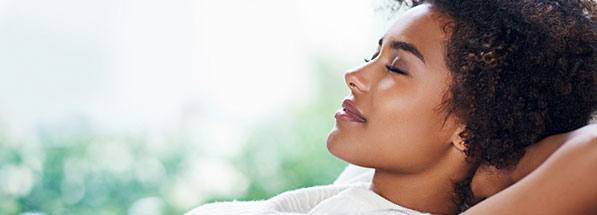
429	191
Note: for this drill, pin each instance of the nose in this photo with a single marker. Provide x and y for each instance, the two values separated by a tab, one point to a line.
356	81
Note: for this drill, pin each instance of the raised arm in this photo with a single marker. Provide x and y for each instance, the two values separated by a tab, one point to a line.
566	183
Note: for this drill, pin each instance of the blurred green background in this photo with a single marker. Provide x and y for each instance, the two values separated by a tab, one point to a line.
159	106
73	169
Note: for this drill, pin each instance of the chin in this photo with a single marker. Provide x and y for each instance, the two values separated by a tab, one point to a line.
332	141
340	148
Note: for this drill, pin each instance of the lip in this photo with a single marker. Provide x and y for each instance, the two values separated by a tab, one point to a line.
350	113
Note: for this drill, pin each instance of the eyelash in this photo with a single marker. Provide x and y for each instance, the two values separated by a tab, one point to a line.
396	70
372	57
388	67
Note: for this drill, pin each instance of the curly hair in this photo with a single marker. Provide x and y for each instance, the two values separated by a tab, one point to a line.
522	71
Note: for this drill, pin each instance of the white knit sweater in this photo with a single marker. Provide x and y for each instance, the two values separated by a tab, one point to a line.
354	198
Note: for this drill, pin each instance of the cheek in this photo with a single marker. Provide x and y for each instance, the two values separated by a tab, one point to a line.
386	84
408	123
402	111
407	132
404	132
406	142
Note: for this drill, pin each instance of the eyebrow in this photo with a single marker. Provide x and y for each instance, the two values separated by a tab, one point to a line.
397	44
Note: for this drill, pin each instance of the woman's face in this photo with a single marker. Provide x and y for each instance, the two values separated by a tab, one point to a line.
399	93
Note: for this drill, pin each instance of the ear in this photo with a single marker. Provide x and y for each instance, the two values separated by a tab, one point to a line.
457	140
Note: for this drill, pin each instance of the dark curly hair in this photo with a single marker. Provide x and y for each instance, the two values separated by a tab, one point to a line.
522	70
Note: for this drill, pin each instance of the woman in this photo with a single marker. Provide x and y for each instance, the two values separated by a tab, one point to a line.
455	94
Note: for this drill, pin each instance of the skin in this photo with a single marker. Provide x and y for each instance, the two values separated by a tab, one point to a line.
545	183
415	149
417	156
488	180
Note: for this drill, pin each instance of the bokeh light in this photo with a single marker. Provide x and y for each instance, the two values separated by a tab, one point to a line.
156	107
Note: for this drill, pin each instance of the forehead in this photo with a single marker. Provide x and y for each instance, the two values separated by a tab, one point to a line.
421	26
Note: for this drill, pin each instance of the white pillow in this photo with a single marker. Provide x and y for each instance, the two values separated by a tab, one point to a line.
353	173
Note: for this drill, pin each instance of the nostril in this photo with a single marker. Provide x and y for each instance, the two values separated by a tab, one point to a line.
353	82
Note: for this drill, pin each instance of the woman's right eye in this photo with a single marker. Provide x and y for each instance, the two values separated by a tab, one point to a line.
372	57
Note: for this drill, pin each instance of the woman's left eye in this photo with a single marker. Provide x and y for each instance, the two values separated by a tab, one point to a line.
393	68
396	70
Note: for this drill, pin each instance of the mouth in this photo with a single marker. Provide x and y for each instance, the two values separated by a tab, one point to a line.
350	113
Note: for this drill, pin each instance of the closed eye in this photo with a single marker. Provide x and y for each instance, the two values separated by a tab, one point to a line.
396	70
390	68
393	68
